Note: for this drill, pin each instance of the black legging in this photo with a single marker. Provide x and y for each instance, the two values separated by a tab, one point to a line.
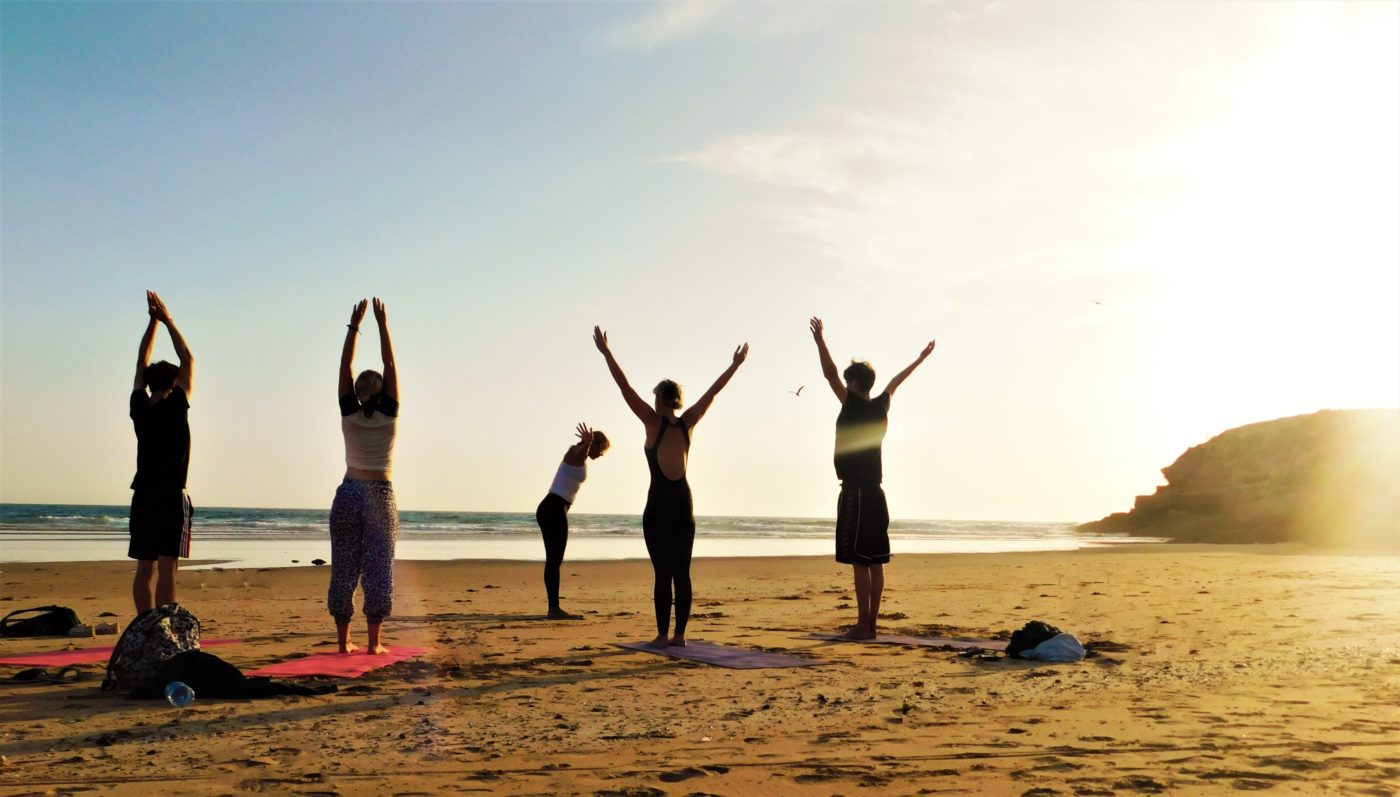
668	525
553	517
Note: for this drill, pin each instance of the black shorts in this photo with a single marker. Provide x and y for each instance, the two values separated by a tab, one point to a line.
160	524
862	526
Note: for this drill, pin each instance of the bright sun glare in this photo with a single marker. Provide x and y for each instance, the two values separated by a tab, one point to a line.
1276	266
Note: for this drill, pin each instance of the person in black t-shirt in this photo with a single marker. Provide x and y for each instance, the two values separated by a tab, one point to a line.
160	508
862	517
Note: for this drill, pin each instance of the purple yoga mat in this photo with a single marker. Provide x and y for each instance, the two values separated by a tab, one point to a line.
955	643
340	665
723	655
63	658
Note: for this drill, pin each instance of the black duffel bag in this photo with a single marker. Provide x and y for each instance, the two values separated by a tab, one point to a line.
47	621
1030	635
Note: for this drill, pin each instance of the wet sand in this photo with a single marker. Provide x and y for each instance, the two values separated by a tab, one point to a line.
1240	668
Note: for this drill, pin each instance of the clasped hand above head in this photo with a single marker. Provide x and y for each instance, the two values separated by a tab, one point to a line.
157	308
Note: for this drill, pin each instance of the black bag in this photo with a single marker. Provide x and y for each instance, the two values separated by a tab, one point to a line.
210	676
154	636
51	621
1030	635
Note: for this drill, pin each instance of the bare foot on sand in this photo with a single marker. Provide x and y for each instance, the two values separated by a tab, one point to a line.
677	641
857	632
659	642
559	614
349	647
375	648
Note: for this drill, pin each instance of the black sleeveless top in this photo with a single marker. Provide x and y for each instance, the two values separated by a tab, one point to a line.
657	477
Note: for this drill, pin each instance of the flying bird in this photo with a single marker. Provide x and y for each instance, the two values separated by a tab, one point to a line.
797	392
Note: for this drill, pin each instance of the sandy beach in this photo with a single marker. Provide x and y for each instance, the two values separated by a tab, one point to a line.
1242	668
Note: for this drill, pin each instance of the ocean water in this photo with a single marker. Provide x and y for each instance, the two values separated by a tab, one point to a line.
287	537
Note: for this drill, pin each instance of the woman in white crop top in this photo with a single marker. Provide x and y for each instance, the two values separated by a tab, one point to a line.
364	518
553	511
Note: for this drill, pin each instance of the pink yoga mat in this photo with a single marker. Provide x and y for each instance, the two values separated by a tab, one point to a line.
955	643
63	658
723	655
340	665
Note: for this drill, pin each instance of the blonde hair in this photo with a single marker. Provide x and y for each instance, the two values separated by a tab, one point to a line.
600	443
368	385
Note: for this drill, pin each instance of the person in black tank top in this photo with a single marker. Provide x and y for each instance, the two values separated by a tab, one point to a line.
862	516
668	522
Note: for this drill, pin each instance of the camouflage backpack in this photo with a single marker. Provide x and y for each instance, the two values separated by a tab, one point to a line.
154	636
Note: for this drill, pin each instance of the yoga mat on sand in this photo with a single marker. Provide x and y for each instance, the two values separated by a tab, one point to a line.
63	658
955	643
339	665
723	655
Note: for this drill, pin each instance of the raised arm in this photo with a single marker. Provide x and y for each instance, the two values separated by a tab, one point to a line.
185	378
903	375
639	408
386	352
148	342
578	452
697	410
347	352
833	377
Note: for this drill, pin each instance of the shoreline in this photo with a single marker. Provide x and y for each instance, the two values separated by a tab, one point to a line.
582	547
1147	547
196	564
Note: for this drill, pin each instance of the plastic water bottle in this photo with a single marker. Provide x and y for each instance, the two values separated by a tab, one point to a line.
179	694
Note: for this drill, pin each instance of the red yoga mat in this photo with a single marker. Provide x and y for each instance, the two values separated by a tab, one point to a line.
64	658
339	665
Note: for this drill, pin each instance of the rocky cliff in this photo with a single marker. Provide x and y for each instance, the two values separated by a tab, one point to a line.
1330	478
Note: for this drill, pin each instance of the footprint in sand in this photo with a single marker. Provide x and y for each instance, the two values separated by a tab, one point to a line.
681	774
824	774
1140	783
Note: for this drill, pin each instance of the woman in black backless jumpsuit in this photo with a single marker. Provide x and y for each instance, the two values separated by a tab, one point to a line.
668	522
668	525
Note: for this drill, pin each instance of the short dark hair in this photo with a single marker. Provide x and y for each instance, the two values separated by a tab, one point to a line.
861	374
669	393
160	375
600	443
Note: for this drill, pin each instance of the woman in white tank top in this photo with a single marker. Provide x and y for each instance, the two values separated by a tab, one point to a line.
553	511
364	516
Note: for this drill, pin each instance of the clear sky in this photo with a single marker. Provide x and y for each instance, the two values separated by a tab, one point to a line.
1130	226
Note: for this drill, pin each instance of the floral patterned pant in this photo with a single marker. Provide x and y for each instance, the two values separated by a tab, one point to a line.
364	528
